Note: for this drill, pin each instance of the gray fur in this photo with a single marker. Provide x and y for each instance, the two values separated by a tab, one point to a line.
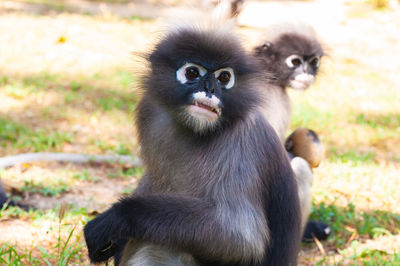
154	255
220	170
276	107
180	167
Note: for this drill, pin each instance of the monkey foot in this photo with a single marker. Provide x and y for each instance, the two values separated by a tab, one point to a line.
319	230
5	204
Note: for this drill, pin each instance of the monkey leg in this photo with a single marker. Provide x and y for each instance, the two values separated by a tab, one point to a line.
316	229
304	180
136	254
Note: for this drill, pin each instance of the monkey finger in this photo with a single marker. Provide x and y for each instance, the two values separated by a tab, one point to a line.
99	237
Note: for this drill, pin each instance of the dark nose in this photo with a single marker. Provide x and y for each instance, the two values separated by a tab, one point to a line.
209	86
308	69
305	68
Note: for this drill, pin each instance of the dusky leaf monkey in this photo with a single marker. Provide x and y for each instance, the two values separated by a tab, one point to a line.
218	187
292	55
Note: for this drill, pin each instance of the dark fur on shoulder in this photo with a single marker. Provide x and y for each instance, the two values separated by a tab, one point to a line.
221	192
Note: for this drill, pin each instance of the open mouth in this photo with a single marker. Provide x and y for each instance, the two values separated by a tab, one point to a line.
205	109
301	81
299	85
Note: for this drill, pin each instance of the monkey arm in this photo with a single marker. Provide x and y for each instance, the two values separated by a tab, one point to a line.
284	220
181	223
282	209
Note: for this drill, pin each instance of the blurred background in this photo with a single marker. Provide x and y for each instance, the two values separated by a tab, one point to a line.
68	70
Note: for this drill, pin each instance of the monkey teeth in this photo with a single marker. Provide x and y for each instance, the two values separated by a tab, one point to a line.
302	81
208	107
204	108
202	111
299	85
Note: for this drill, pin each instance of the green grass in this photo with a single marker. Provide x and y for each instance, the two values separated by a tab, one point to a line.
46	190
61	6
75	101
85	176
353	156
371	224
76	91
127	173
20	137
66	249
56	5
387	122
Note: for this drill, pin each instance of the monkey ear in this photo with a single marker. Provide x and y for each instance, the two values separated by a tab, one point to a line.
263	48
266	46
289	144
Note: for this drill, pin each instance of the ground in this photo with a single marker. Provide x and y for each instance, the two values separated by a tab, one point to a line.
68	71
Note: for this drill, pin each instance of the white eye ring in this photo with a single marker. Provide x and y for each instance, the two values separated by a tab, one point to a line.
231	82
289	60
181	72
318	62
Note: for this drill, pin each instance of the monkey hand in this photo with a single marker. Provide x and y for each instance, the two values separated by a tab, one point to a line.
101	236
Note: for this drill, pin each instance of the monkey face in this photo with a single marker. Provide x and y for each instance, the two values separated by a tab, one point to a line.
293	59
205	86
303	68
203	105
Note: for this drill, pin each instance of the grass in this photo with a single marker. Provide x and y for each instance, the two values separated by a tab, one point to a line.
85	176
46	7
67	247
68	88
20	137
372	224
45	190
379	4
46	100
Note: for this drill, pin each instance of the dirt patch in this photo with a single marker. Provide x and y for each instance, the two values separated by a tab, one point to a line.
105	184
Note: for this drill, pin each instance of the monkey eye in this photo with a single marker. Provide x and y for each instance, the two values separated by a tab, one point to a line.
293	61
192	73
314	62
189	72
226	77
296	62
